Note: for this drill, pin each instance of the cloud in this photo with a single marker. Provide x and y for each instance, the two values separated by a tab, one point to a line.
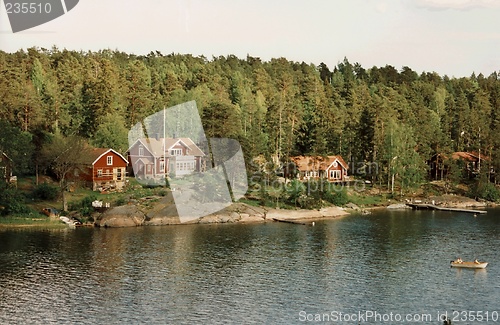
457	4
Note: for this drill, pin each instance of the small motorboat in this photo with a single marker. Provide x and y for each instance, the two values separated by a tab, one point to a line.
469	265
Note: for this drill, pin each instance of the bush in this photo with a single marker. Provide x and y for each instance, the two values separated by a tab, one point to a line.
12	201
337	196
46	192
485	190
120	201
84	206
295	190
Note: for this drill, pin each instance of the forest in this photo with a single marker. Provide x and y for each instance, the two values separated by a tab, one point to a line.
394	118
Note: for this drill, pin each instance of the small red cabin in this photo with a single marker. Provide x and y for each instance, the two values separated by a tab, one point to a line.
106	170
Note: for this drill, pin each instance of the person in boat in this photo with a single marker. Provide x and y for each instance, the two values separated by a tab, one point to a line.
458	260
476	261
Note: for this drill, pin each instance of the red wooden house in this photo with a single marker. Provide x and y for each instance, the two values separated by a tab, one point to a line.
155	158
332	168
106	170
472	162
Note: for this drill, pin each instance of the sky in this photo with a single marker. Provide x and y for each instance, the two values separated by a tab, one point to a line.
450	37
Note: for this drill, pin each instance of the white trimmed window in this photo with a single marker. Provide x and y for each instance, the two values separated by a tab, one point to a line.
109	160
176	152
141	150
336	174
99	173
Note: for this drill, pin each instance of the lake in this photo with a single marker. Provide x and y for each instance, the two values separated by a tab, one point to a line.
389	267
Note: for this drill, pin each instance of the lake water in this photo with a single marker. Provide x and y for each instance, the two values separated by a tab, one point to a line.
384	268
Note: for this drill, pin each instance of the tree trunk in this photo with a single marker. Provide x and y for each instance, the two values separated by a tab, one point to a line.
392	184
65	201
62	184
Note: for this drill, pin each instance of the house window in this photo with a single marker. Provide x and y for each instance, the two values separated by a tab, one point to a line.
162	166
109	160
336	174
176	152
119	174
311	173
141	150
185	166
99	173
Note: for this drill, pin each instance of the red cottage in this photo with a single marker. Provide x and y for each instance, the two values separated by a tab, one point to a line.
332	168
106	170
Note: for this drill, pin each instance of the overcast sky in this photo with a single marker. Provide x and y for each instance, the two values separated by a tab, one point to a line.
452	37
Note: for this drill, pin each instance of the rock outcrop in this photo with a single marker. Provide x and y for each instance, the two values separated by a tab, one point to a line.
121	216
161	210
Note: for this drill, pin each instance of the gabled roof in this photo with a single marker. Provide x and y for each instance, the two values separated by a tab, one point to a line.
194	149
307	163
155	146
469	156
98	153
5	156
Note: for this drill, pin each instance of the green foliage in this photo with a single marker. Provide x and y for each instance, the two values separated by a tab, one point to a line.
46	192
84	206
111	133
120	201
367	200
295	191
275	109
337	195
17	146
313	193
12	201
483	189
405	166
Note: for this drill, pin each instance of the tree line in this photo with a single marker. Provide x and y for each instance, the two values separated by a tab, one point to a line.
394	118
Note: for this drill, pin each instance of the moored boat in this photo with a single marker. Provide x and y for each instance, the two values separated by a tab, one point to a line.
469	265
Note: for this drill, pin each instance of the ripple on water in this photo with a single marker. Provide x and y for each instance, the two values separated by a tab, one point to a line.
252	274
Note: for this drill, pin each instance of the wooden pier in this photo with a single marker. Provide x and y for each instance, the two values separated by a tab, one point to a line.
421	206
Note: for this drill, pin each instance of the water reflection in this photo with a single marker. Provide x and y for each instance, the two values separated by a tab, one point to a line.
263	273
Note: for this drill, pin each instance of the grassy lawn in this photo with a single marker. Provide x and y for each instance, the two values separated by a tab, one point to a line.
40	221
366	200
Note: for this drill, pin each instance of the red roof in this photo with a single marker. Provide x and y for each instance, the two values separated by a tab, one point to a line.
469	156
96	153
307	163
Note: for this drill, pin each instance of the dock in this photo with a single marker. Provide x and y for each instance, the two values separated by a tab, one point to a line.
421	206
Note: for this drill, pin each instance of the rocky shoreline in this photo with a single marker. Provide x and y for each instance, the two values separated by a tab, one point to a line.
134	215
156	211
161	210
445	201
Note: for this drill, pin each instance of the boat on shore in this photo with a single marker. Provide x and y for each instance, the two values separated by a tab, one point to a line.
469	265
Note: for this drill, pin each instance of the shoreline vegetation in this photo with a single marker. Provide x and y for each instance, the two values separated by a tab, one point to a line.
141	206
409	135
